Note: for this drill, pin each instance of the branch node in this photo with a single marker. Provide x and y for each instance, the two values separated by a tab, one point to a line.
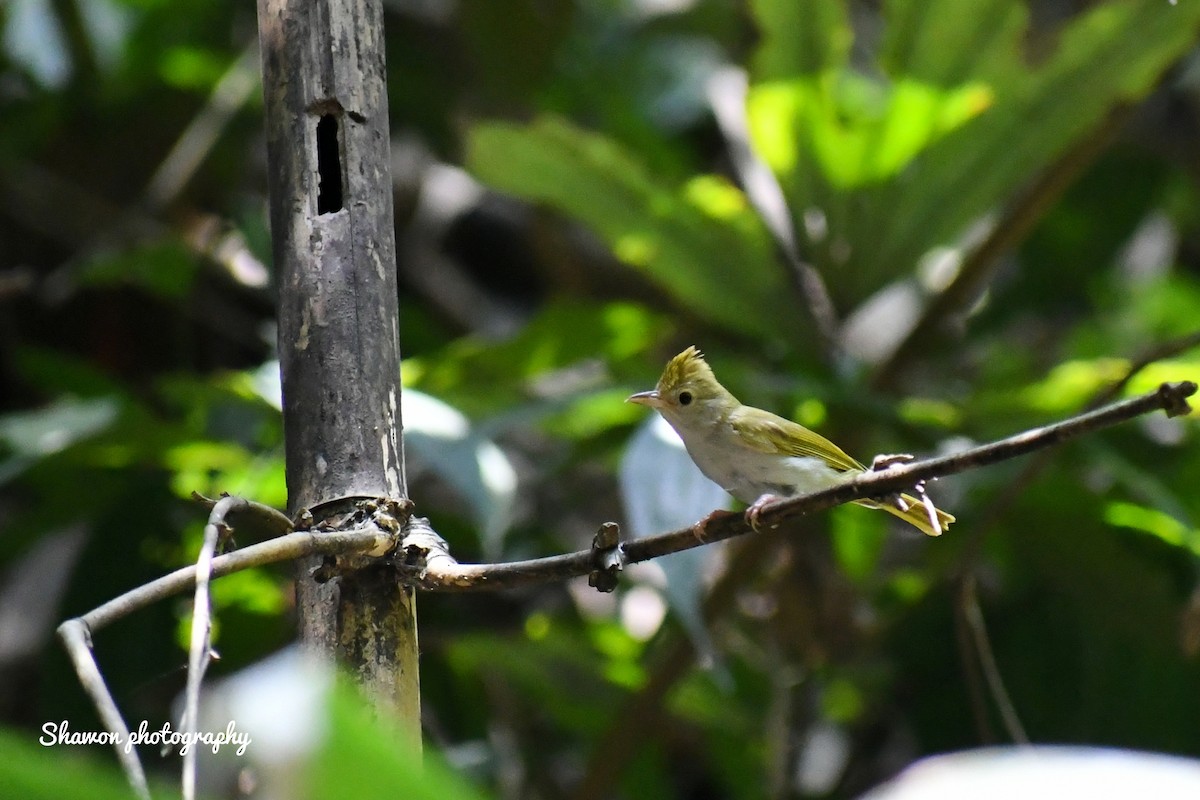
421	544
607	558
1174	397
387	514
262	520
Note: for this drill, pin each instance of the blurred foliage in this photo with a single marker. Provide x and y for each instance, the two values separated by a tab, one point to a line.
568	218
354	752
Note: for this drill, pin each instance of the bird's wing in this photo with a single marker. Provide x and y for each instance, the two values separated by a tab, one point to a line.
769	433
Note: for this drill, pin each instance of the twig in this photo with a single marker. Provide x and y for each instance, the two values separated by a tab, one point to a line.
433	568
77	640
200	650
968	658
973	618
76	633
285	548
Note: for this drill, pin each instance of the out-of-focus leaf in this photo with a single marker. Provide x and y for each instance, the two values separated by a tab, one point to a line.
1071	384
858	540
800	36
251	590
715	258
591	414
549	359
58	373
662	490
1145	485
559	671
842	700
192	67
28	436
929	411
200	466
1154	522
33	772
902	155
254	592
361	757
622	653
859	130
1165	371
1165	308
441	438
166	268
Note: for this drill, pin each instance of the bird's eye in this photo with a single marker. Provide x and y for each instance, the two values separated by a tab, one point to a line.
685	398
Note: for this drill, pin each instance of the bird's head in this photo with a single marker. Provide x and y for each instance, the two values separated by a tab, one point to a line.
688	392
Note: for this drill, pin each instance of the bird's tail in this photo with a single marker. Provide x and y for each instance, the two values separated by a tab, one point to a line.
916	514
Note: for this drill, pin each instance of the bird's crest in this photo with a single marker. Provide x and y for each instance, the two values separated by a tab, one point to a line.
687	367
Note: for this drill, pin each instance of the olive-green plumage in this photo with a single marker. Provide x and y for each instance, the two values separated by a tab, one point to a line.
753	454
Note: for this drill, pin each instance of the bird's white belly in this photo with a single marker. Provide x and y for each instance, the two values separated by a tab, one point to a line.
749	475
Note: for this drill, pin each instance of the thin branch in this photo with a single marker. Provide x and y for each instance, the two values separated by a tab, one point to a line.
431	567
1028	474
285	548
1018	220
973	618
200	651
968	658
77	640
76	633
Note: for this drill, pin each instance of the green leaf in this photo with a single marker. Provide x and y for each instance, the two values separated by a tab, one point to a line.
1153	522
860	131
700	240
27	436
903	154
189	67
483	377
31	771
166	268
364	757
800	36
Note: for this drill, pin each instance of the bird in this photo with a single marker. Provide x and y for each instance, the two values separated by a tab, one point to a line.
759	457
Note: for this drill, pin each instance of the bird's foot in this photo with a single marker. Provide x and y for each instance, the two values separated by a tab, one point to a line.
755	509
700	529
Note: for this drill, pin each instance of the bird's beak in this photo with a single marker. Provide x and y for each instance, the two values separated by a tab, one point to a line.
649	398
